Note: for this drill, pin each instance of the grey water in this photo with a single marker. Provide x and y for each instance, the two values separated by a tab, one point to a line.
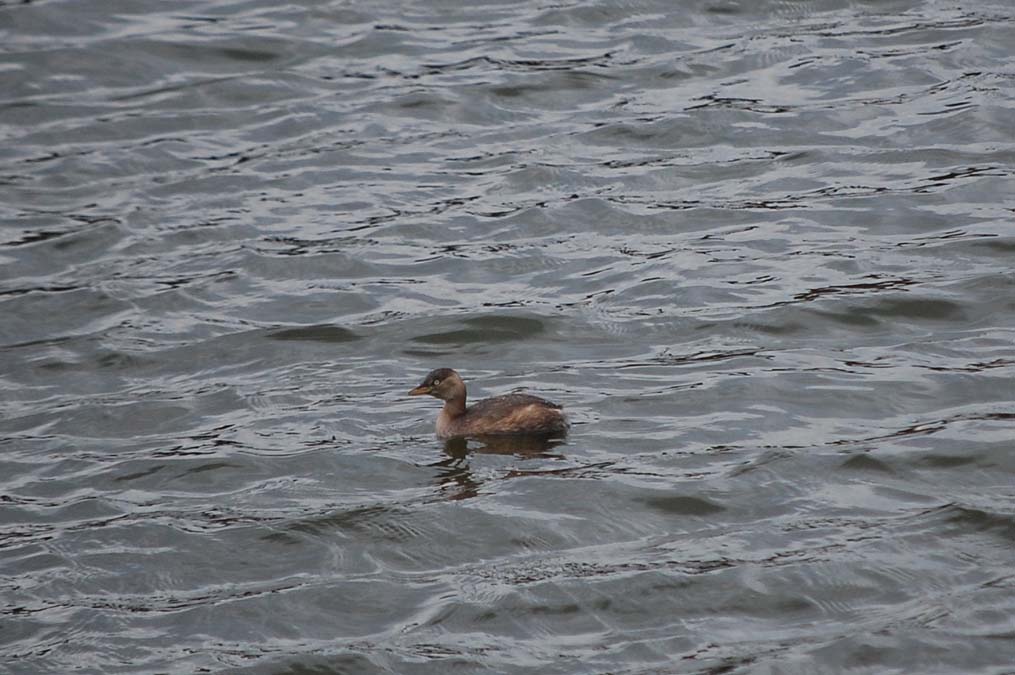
762	252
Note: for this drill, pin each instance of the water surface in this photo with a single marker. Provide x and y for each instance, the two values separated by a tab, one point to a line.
762	252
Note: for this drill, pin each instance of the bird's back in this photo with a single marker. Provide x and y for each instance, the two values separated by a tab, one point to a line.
512	414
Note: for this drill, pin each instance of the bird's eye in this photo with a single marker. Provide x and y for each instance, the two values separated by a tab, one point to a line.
436	383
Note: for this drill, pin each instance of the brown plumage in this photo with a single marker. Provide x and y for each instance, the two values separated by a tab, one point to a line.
509	414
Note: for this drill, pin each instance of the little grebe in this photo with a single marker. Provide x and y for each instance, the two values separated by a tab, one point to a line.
509	414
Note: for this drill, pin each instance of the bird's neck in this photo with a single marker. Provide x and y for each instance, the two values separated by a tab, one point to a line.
454	407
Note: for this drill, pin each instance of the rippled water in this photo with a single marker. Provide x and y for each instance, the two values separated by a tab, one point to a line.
761	251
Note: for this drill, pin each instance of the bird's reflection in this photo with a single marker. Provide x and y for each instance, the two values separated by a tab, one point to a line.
456	473
525	446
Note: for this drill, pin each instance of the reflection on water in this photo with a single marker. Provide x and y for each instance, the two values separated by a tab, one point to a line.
456	473
761	252
520	445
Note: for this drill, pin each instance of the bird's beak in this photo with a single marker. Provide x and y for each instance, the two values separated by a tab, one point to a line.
420	390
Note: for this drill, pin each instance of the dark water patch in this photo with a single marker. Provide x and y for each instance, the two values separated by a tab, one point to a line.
211	466
998	245
963	520
486	330
946	461
39	289
165	603
140	474
974	367
867	463
36	236
858	288
684	505
335	664
318	333
698	357
849	317
920	309
378	521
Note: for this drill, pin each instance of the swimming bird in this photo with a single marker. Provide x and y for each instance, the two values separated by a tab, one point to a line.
500	415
